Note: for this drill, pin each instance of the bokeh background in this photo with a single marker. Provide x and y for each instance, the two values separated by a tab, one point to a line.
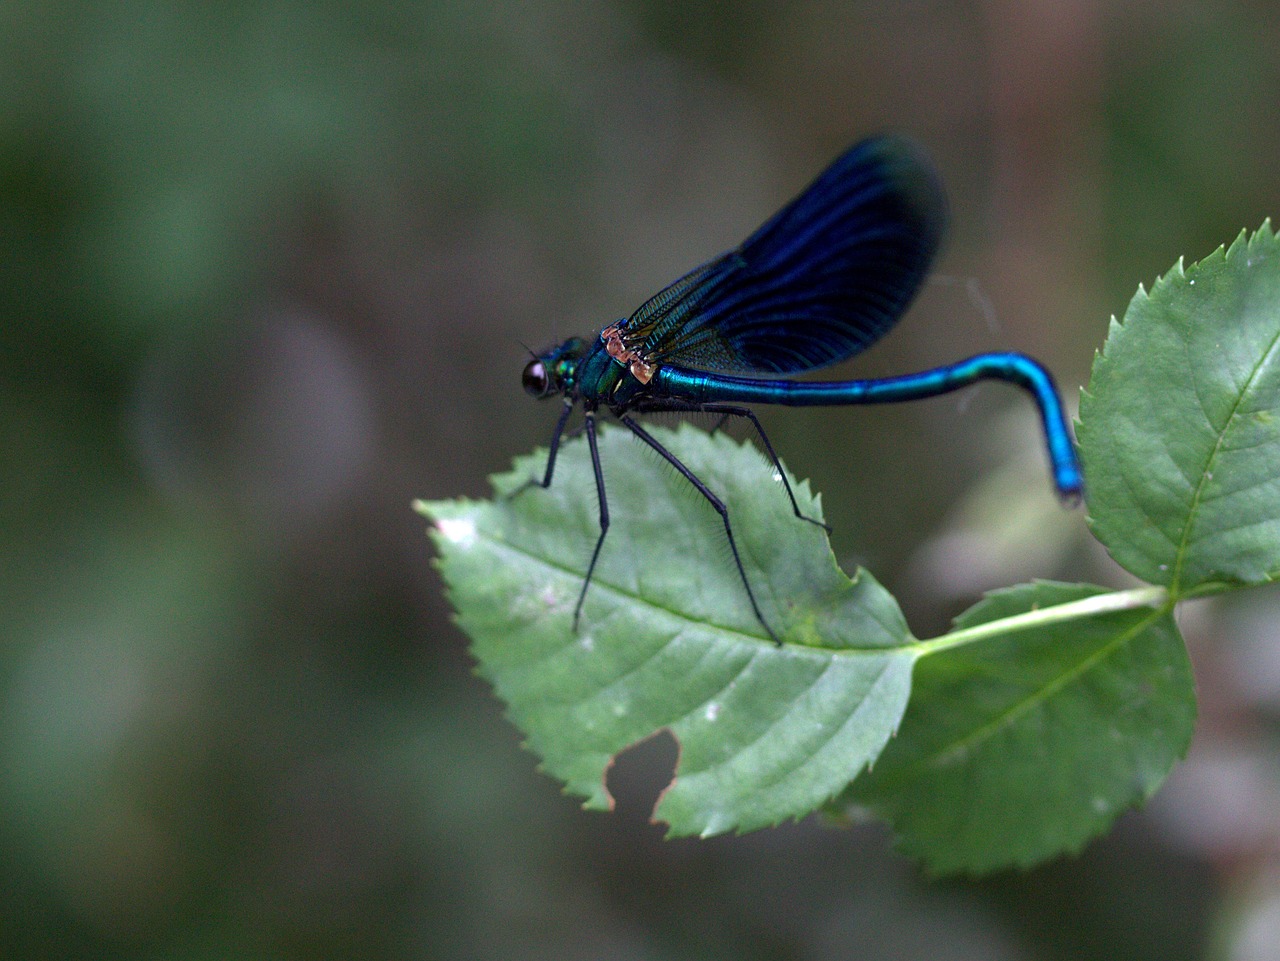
267	270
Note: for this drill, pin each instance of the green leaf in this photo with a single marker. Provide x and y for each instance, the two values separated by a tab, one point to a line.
668	639
1029	743
1180	425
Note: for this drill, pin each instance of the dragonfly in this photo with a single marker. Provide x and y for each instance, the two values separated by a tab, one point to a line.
822	280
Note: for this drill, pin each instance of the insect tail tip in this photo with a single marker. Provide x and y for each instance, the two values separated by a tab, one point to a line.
1072	497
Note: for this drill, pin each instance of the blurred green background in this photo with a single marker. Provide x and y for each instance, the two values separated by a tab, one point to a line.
267	271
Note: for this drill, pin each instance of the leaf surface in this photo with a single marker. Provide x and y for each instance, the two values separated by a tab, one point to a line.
1180	425
667	638
1027	744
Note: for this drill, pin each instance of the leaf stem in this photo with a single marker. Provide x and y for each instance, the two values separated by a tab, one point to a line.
1059	613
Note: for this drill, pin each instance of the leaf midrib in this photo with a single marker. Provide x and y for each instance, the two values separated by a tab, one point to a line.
739	636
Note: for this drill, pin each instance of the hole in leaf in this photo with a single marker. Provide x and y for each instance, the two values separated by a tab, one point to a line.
637	775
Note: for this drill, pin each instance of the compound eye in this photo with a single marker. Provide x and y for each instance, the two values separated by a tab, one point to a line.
536	381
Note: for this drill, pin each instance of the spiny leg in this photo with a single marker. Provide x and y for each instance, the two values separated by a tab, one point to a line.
589	424
713	500
554	448
729	410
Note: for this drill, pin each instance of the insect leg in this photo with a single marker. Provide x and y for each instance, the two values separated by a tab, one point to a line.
730	410
714	501
554	448
589	423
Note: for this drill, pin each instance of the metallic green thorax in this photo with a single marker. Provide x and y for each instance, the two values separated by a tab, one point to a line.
584	370
599	376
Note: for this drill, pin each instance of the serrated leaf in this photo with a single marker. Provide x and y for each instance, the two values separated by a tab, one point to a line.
668	639
1028	744
1180	425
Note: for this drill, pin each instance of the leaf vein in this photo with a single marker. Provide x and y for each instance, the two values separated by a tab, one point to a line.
1006	718
1206	473
779	774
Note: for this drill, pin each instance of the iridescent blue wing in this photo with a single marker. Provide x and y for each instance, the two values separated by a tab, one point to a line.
821	280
